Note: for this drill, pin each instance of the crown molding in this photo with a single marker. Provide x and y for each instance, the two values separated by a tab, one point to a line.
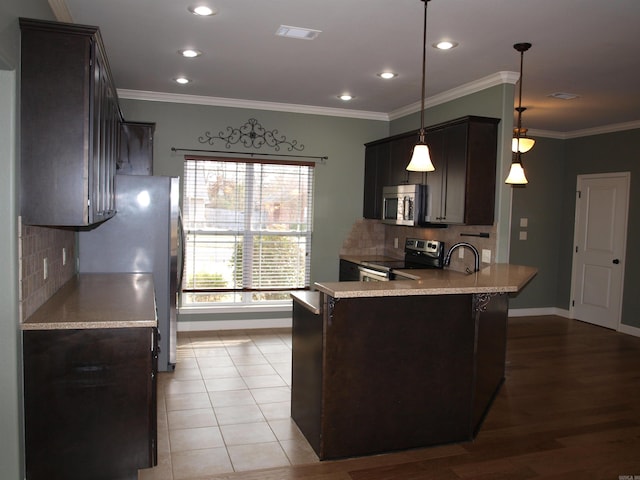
616	127
453	94
472	87
587	132
250	104
489	81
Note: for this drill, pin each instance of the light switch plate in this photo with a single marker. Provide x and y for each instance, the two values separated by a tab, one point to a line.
523	234
524	222
486	255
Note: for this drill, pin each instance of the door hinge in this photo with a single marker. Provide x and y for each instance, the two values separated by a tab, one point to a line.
576	249
573	303
579	193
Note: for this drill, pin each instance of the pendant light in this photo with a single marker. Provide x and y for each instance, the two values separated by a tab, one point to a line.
421	159
519	144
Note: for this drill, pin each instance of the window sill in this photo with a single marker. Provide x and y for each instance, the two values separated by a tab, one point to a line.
195	309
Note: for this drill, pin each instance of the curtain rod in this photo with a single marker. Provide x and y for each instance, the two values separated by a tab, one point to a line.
323	160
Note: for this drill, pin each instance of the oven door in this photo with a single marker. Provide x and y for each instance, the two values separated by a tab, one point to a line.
371	275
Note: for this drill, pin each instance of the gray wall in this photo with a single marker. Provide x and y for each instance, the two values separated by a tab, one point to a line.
541	201
11	418
549	202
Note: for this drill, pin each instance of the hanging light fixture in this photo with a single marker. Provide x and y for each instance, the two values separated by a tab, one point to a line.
520	142
421	159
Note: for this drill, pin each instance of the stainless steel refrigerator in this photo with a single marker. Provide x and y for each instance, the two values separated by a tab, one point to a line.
143	237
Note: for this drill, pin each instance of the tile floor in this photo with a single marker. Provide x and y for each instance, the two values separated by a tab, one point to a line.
227	406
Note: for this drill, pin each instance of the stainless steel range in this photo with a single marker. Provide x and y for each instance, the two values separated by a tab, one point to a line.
418	253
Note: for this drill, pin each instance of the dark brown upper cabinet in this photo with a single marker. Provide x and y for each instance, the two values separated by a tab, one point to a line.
136	148
70	125
462	188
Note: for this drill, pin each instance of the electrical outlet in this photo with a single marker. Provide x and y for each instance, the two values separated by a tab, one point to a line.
395	242
524	222
64	256
523	235
45	267
486	255
461	253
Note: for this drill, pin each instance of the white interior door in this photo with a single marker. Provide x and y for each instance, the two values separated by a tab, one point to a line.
599	248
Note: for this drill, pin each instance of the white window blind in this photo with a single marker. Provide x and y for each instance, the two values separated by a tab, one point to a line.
248	227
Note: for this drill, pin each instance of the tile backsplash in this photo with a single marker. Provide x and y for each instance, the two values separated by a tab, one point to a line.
367	237
372	237
35	245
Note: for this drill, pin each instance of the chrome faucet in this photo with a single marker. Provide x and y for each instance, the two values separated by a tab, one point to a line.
476	264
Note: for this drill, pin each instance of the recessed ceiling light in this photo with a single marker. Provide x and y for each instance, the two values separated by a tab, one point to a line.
345	97
387	75
190	53
182	80
297	32
445	45
564	96
202	10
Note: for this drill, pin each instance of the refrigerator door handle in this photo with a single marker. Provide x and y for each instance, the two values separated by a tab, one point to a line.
182	237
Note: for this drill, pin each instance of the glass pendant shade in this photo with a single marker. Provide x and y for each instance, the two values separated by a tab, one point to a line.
421	159
516	174
525	144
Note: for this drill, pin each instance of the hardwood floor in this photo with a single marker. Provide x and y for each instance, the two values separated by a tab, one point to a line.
569	409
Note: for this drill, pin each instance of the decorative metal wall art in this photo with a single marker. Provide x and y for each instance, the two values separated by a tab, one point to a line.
252	135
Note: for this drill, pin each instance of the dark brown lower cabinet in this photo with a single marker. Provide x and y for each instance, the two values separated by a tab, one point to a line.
90	403
380	374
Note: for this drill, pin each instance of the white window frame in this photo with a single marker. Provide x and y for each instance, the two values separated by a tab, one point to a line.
244	296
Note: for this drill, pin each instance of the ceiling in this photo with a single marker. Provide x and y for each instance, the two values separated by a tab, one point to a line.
585	47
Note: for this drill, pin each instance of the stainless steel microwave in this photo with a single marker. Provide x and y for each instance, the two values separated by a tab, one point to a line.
404	204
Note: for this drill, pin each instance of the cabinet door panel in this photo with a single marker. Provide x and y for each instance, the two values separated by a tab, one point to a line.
87	400
435	179
401	150
376	173
349	271
136	149
455	146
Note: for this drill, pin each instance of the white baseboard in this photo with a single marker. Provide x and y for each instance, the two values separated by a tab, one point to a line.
535	312
629	330
212	325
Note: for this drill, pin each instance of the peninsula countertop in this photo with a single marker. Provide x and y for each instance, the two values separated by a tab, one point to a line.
493	278
98	300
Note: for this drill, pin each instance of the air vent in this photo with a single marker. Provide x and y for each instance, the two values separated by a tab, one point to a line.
297	32
564	96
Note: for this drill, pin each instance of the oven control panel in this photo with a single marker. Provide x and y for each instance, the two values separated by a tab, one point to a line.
432	246
419	253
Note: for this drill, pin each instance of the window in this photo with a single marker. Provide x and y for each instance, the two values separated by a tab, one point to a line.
248	227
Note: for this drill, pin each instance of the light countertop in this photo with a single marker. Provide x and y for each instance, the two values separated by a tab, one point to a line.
98	300
309	300
494	278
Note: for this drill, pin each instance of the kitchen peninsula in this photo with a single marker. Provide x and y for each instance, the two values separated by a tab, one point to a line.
385	366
